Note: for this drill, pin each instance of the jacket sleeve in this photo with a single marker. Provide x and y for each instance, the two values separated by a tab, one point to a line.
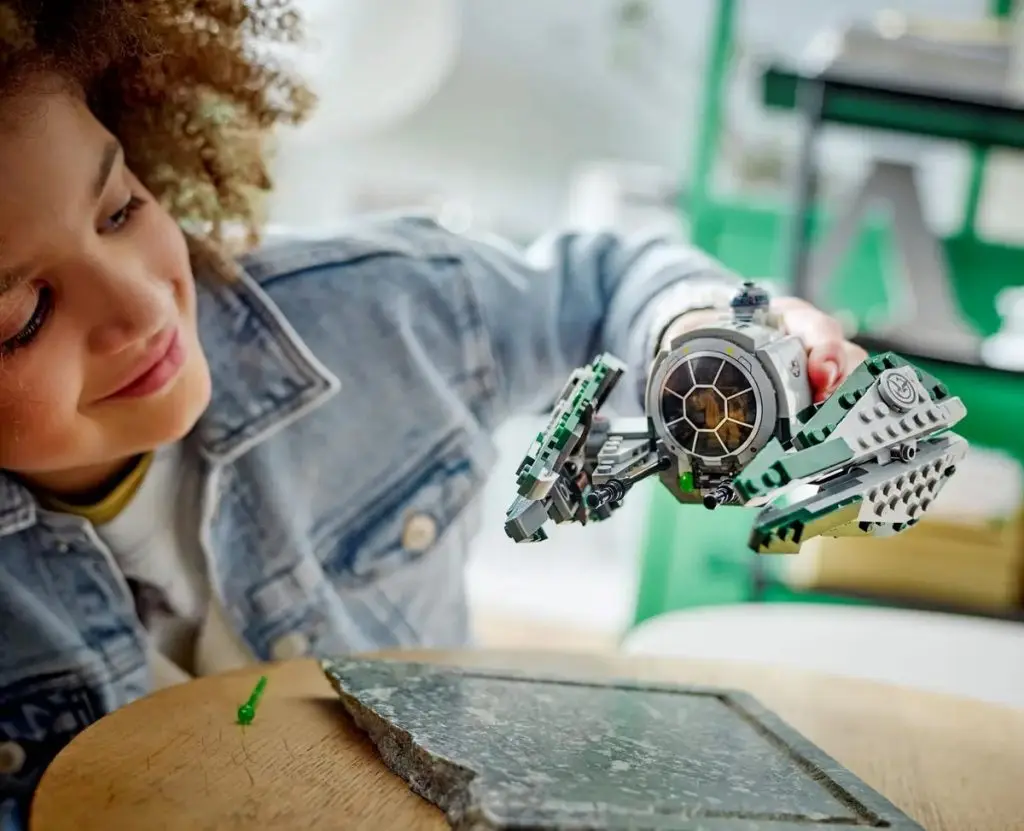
12	815
551	308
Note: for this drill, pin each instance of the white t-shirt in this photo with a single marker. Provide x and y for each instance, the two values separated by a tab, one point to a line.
155	542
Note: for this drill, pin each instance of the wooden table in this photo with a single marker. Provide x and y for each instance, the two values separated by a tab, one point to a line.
176	760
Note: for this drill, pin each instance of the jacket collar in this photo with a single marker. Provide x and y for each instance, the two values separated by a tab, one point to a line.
264	376
263	379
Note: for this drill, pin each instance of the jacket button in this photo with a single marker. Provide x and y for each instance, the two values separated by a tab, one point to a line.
287	647
419	533
12	758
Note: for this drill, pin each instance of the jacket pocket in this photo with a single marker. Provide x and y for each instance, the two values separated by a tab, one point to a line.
406	518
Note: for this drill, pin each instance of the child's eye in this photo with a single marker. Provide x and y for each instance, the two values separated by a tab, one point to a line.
31	327
121	217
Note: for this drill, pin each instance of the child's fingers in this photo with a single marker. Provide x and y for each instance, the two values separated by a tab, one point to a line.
830	356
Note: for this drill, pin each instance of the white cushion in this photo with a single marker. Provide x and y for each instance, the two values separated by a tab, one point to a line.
959	655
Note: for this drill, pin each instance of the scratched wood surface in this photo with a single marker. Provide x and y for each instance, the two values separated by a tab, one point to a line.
176	760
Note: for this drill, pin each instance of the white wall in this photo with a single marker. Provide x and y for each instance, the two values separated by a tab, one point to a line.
543	85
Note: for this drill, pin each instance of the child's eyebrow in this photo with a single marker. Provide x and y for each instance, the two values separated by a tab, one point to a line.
110	154
12	278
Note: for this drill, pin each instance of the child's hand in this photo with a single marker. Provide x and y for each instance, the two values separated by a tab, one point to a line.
830	356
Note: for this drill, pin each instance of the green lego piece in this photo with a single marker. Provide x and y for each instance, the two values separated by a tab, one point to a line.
806	413
747	483
686	481
785	467
773	467
763	473
805	463
247	712
832	411
858	382
590	386
784	535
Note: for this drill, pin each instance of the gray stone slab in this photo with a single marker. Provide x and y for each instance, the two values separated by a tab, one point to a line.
500	750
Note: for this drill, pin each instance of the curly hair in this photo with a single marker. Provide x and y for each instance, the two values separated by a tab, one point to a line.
187	86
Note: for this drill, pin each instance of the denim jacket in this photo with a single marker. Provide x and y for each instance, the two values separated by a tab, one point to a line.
356	385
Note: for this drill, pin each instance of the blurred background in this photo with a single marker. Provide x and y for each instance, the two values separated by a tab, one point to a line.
862	154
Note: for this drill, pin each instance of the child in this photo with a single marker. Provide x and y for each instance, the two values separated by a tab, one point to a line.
211	461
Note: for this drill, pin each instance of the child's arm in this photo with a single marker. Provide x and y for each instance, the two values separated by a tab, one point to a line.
553	307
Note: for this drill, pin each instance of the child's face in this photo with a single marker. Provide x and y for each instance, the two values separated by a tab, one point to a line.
95	283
